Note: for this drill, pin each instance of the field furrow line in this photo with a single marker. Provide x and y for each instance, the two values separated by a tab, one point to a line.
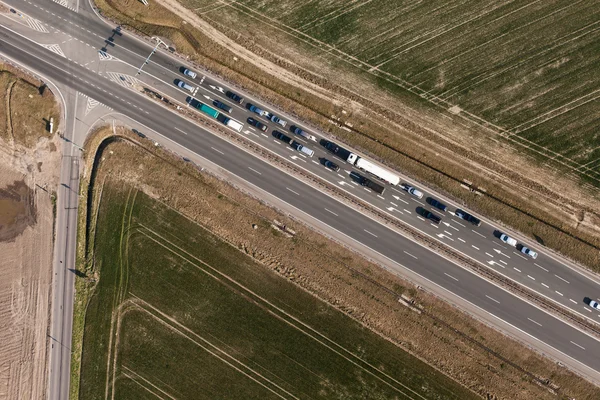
471	49
393	14
474	18
461	88
308	330
342	13
540	119
146	388
209	347
138	376
332	12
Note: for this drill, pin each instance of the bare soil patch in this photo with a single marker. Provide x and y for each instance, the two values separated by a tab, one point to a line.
28	179
17	211
443	336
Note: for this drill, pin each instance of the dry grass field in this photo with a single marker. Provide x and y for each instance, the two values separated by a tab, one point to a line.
526	68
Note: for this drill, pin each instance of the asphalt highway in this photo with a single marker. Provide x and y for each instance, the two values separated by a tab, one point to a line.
401	252
546	275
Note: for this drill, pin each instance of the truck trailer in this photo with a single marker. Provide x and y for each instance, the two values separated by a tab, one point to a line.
362	163
208	110
364	181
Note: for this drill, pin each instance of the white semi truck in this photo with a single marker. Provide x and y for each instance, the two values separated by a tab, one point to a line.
362	163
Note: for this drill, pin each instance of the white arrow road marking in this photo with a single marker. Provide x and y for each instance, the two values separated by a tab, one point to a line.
441	235
398	198
501	253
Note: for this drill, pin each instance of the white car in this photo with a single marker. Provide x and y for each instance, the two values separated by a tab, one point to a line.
189	73
529	252
594	304
508	240
185	86
414	191
278	120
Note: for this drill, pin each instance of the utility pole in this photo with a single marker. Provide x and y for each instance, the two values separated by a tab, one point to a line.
150	55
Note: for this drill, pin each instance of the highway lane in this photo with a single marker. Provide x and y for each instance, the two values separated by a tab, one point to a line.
308	200
545	275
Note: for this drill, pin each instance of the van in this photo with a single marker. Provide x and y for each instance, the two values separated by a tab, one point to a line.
185	86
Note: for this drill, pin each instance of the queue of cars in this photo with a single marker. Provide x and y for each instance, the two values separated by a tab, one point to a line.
429	215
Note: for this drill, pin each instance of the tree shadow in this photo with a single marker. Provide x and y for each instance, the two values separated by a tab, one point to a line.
78	273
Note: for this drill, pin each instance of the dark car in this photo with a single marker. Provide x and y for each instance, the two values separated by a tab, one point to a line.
257	124
281	136
331	165
467	217
222	106
235	97
435	203
429	215
332	147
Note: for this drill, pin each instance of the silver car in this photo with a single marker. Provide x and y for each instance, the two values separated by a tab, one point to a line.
278	120
529	252
414	191
190	73
594	304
